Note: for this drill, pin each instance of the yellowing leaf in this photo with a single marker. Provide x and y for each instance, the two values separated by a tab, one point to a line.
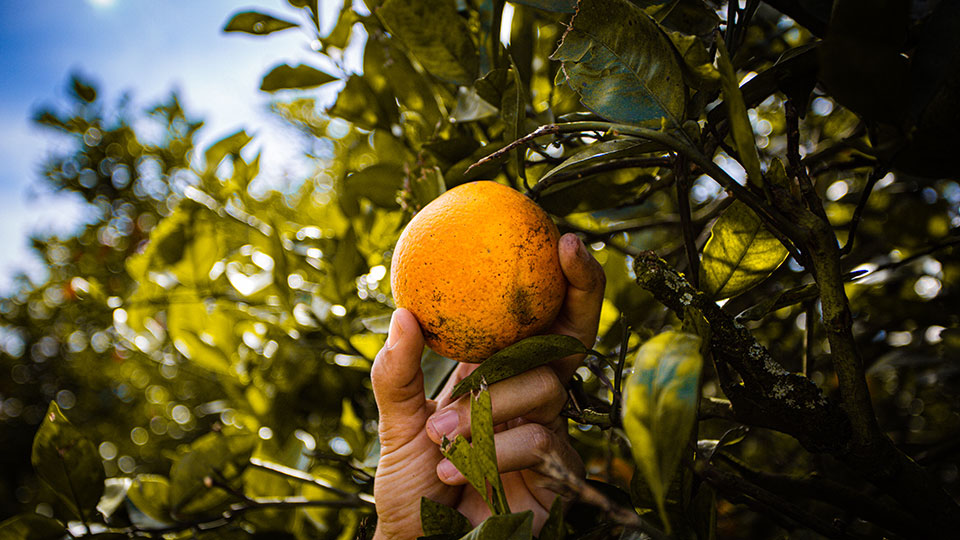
740	253
660	408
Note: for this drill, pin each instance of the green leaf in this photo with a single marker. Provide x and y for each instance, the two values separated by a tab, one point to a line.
517	526
150	493
284	76
554	528
660	408
626	72
229	145
522	356
204	335
436	34
379	183
339	37
359	104
484	450
253	22
427	186
68	462
740	253
215	455
389	72
478	461
31	527
559	6
436	518
740	126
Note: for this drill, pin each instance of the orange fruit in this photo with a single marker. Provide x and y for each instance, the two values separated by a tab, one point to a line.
479	269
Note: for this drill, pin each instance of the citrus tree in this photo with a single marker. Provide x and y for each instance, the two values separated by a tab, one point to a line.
769	187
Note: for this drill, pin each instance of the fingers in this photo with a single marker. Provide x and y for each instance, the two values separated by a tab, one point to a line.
534	395
580	314
398	381
522	447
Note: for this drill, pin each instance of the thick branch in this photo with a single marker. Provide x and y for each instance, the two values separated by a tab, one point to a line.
878	510
767	395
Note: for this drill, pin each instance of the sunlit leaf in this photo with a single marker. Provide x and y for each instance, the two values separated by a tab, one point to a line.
357	103
31	527
740	126
68	462
253	22
626	72
660	408
436	35
522	356
150	493
339	37
114	493
285	76
436	518
740	253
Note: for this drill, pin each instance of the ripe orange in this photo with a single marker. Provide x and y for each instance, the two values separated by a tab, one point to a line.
479	269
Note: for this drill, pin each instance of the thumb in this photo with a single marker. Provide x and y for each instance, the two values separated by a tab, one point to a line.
398	382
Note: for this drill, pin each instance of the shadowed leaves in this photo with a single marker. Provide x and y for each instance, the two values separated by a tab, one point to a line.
68	462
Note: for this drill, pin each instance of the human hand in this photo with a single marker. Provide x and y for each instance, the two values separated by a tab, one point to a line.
526	411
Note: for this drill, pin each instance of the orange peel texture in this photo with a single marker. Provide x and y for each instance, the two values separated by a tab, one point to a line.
479	269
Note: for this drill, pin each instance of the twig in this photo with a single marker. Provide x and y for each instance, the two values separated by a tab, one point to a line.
360	499
230	515
567	482
711	407
875	175
780	226
606	166
681	172
798	170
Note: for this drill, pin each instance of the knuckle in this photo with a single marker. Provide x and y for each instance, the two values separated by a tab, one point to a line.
539	438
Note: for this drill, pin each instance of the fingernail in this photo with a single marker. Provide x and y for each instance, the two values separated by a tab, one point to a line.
582	250
443	423
396	331
447	471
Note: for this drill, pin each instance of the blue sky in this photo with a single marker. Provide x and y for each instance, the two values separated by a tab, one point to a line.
147	48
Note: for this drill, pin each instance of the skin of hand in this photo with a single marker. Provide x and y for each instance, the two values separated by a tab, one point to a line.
526	414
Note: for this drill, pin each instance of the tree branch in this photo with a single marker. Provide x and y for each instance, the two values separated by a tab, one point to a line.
737	489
